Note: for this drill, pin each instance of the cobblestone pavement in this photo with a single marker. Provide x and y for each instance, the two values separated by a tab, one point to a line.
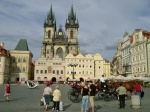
23	99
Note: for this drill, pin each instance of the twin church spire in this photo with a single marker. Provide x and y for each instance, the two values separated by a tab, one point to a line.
70	21
50	19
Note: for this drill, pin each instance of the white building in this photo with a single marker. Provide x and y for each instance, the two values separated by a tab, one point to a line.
46	69
139	53
126	55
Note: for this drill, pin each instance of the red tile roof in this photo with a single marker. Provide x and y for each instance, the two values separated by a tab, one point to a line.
131	38
146	34
3	51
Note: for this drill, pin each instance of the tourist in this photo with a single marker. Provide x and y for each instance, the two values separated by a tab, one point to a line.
85	98
92	92
102	81
122	92
7	91
138	90
47	92
56	98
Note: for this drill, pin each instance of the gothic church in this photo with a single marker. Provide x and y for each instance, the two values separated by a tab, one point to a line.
60	43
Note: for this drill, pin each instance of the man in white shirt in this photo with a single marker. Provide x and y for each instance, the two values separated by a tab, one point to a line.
102	81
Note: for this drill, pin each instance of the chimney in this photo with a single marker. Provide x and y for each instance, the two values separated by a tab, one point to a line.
2	44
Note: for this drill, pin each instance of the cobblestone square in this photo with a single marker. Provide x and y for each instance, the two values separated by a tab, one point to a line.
23	99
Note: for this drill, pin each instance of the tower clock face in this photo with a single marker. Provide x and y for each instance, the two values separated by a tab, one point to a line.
60	33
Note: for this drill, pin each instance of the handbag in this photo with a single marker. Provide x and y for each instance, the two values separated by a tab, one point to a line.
61	105
42	101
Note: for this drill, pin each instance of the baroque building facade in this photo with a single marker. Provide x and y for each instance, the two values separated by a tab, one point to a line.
126	54
139	53
116	64
86	66
135	54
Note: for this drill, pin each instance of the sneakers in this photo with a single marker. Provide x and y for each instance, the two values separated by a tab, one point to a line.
57	110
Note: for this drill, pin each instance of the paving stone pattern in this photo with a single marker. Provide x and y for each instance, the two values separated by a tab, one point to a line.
23	99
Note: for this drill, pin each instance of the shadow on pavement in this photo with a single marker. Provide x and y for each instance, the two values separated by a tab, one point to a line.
4	100
96	108
66	106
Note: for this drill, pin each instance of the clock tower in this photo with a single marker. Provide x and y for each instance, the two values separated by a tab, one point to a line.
57	43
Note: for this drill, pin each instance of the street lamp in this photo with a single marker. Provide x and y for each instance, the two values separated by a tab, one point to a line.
73	65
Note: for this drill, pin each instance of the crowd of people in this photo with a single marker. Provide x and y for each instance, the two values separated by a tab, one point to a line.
88	92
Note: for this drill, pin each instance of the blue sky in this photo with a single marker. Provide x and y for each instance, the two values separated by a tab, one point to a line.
102	23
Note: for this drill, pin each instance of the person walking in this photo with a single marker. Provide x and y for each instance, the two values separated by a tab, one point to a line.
92	92
85	98
46	93
138	90
122	92
56	98
7	91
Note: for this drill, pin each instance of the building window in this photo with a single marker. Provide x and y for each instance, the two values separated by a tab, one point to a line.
49	34
61	71
23	69
45	71
41	71
37	71
57	71
71	34
24	60
53	71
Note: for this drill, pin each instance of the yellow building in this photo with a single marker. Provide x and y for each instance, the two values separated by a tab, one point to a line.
21	62
86	66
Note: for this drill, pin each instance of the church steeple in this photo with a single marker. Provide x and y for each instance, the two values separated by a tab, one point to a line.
50	20
72	19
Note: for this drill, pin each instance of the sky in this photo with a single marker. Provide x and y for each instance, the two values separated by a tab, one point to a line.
102	23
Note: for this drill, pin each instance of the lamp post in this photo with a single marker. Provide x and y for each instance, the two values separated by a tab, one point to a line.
73	65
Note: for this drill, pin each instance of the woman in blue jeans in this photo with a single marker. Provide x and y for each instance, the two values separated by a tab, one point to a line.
85	98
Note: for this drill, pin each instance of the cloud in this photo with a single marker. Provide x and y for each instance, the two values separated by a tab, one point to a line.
102	23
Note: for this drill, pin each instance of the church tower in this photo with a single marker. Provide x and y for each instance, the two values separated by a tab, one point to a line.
49	34
57	42
72	26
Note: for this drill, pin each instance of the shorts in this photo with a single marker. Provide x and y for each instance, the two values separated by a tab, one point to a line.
92	101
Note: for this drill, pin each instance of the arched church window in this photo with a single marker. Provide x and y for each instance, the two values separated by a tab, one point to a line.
49	34
59	52
71	34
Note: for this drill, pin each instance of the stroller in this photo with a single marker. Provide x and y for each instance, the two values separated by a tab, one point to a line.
31	85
